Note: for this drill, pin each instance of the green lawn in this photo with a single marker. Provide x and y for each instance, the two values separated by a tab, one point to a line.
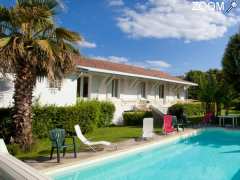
112	134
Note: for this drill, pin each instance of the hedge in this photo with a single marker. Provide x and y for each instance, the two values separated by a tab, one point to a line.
195	119
135	118
189	109
107	110
88	114
193	111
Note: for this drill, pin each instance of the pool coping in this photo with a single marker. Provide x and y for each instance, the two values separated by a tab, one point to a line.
118	153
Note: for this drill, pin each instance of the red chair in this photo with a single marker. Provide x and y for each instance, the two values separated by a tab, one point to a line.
208	117
167	124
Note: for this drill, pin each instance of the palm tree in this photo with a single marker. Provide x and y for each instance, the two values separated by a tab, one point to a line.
32	46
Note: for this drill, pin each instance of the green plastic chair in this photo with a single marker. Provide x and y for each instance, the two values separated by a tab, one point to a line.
57	137
177	124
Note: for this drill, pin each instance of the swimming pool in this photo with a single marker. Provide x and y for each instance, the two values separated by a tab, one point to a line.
213	154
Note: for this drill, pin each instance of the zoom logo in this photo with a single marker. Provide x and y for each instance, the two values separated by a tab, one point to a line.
214	6
208	6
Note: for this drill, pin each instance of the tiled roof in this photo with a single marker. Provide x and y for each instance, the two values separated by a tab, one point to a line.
125	68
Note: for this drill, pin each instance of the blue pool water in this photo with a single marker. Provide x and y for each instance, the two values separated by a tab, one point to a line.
214	154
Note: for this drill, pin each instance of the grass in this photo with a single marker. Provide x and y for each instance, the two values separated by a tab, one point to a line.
112	134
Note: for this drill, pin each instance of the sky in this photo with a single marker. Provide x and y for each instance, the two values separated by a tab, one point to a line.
174	36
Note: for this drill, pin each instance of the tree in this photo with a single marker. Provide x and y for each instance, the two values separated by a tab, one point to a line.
208	90
231	62
32	46
194	76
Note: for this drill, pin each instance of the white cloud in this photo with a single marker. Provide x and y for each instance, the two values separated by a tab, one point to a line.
115	59
174	19
86	44
158	64
62	5
115	2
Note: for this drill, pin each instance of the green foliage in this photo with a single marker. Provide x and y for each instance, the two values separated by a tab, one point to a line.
193	109
107	110
194	76
135	118
208	90
14	149
231	62
6	124
88	114
195	119
194	112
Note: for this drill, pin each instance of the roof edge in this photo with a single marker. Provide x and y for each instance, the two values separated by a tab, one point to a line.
92	69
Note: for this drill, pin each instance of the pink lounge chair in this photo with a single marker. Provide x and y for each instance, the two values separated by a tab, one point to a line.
207	117
167	124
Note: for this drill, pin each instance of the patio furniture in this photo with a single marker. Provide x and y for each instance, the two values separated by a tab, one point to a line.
167	124
177	124
12	168
90	144
185	121
147	128
57	137
3	148
208	117
233	117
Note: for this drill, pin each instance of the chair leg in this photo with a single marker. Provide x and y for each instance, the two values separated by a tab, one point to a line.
58	155
74	148
51	155
64	151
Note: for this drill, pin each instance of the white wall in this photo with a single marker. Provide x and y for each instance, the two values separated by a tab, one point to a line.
129	93
66	95
100	88
6	92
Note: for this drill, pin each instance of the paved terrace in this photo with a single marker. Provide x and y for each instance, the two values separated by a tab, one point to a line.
87	156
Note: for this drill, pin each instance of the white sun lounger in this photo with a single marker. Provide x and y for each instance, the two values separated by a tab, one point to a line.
147	128
89	143
11	168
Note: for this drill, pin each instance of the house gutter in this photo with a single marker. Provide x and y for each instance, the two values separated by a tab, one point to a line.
91	69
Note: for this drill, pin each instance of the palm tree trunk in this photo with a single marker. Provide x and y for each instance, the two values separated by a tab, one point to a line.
22	112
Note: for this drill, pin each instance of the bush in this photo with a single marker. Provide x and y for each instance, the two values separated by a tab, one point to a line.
88	114
135	118
6	125
193	109
107	110
195	119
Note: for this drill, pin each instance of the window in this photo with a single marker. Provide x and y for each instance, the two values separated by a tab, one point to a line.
178	94
79	87
55	84
82	87
143	89
85	87
161	91
115	88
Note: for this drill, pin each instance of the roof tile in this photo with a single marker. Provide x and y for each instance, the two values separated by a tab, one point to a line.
125	68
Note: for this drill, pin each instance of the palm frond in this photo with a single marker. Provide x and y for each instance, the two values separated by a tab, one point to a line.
50	5
46	47
4	14
64	34
4	41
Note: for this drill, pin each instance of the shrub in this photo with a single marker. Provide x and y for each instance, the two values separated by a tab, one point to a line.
88	114
193	109
6	125
107	110
195	119
135	118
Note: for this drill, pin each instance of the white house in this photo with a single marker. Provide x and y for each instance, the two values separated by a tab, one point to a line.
125	85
